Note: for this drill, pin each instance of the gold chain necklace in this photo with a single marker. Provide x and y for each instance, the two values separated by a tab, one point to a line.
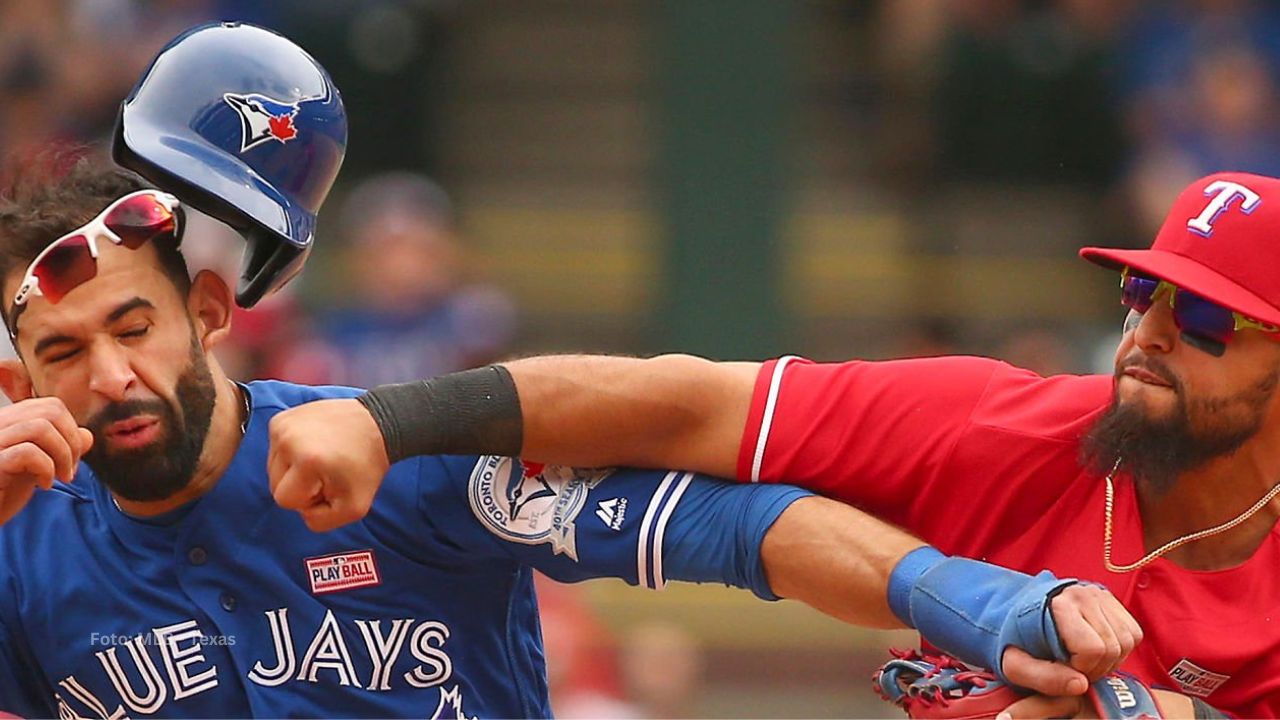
1176	542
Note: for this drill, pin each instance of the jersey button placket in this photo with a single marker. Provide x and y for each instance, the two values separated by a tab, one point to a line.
228	602
197	556
1144	580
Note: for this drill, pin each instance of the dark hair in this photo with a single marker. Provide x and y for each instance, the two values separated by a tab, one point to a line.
48	196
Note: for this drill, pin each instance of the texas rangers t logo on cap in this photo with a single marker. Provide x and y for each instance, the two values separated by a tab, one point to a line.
1223	192
263	118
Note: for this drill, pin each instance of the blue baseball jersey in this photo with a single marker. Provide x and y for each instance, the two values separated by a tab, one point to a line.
231	607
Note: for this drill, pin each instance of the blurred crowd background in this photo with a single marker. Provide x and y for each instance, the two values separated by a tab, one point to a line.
739	179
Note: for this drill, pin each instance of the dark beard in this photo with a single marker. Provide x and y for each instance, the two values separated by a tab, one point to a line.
1154	451
161	470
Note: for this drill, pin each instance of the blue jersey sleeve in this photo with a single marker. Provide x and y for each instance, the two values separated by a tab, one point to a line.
646	527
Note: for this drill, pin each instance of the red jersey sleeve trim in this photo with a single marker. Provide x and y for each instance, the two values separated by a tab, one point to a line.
760	418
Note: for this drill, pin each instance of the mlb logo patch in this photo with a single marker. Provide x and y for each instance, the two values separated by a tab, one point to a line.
343	571
1195	680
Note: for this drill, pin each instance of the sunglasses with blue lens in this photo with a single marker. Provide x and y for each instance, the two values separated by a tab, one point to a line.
1203	323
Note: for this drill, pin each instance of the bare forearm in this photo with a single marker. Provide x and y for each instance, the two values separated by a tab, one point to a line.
673	411
837	559
1174	705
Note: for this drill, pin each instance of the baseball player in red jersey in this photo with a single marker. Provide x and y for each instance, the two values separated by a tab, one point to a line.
1158	481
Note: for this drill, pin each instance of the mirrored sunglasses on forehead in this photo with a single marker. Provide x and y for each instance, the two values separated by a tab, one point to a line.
1205	324
72	260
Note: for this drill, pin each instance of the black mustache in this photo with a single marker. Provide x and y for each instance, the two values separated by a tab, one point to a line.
1151	365
126	410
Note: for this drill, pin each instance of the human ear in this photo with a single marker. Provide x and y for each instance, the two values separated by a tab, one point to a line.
15	381
210	304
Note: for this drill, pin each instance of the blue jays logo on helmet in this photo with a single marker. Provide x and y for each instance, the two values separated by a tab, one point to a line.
263	118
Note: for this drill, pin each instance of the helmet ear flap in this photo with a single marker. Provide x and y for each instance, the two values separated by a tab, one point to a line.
268	266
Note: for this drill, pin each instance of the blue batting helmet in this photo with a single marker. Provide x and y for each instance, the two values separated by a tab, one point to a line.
245	126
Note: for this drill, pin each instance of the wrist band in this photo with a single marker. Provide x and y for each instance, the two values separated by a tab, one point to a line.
473	412
974	610
904	577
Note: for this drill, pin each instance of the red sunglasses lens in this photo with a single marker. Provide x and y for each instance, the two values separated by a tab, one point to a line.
64	267
139	219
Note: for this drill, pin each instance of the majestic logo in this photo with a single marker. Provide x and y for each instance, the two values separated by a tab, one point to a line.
529	503
344	571
263	118
612	512
1223	194
1195	680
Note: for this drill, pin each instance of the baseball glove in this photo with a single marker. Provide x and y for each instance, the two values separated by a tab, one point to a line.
939	686
943	688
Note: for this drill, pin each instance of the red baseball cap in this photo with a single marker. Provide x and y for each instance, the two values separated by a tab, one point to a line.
1221	241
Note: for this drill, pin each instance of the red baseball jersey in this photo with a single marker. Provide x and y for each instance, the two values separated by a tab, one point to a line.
981	459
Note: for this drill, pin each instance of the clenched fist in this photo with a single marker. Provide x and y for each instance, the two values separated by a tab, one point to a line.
327	460
1097	632
39	443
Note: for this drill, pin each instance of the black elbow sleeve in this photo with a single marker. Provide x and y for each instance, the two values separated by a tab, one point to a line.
473	412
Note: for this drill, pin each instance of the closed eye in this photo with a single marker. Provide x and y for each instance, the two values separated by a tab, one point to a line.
62	356
136	332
